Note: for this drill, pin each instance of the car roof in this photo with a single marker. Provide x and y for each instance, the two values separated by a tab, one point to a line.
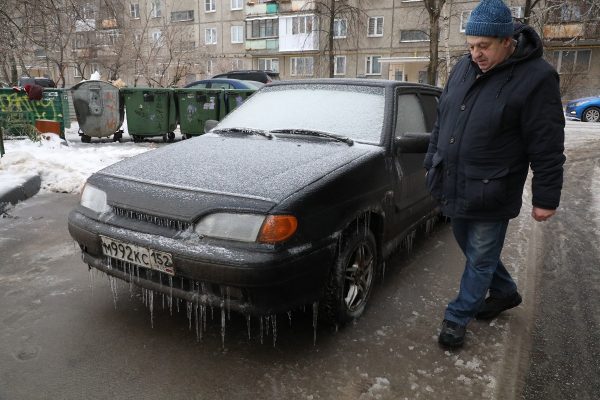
388	84
234	82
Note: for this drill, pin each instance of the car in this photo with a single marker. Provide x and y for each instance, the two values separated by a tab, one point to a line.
295	198
224	83
40	81
586	109
264	76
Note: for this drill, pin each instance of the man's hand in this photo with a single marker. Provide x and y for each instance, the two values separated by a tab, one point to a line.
541	214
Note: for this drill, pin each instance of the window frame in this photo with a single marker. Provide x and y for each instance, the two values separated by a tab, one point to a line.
210	6
369	65
339	33
213	36
134	10
234	8
376	25
294	61
239	34
336	72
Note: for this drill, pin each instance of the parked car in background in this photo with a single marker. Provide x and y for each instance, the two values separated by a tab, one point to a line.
224	83
251	75
586	109
296	197
40	81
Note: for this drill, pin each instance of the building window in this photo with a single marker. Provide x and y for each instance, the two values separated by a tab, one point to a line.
237	64
262	28
237	34
210	5
302	25
375	26
464	17
237	4
302	66
88	11
76	72
266	64
210	36
413	36
156	10
572	61
340	28
134	10
180	16
157	37
339	65
373	66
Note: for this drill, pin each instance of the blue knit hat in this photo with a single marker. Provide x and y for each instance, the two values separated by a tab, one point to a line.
490	18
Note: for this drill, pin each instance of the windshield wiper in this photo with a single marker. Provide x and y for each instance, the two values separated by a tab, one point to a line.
311	132
249	131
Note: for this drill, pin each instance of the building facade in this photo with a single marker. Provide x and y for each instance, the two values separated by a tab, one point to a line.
172	42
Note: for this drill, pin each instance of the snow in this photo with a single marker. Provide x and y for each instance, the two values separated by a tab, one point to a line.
63	165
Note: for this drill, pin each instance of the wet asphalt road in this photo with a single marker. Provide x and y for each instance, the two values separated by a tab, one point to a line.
565	343
61	336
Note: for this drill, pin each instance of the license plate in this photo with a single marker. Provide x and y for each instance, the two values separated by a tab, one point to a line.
138	255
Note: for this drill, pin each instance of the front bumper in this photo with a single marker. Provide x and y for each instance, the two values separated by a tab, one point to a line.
250	281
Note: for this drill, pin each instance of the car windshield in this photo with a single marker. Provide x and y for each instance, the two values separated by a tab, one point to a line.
355	111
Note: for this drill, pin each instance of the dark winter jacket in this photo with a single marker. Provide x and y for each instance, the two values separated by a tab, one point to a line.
491	129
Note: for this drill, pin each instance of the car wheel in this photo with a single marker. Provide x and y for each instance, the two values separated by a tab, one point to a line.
86	139
591	114
351	280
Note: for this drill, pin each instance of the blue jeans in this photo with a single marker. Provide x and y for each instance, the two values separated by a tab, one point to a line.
481	242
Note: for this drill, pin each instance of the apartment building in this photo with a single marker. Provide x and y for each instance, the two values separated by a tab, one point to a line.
171	42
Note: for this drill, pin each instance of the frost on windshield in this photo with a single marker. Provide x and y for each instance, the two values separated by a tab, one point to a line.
353	111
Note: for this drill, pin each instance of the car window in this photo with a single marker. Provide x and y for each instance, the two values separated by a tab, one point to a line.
353	111
430	103
199	86
221	85
409	115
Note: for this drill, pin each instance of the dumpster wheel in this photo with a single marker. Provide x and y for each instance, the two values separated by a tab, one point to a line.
118	136
85	138
170	137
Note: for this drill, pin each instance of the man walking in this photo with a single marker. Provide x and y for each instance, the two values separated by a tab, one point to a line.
500	114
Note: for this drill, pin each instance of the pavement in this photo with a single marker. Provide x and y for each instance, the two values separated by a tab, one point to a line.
17	188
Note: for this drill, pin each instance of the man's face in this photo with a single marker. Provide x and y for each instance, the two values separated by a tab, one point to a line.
488	52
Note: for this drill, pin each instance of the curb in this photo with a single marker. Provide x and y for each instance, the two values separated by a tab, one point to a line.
21	192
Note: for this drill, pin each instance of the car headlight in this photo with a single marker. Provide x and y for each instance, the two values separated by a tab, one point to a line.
94	199
248	227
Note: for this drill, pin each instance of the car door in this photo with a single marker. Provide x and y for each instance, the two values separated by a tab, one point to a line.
411	197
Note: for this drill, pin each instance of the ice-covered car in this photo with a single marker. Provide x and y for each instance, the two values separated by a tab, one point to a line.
295	198
586	109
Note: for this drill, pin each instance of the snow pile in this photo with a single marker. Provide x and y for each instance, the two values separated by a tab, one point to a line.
63	165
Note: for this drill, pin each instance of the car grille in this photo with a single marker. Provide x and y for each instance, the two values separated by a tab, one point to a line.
152	219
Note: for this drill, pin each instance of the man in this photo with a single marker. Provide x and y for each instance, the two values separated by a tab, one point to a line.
500	114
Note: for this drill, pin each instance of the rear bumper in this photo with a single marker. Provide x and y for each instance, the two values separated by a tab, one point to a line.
247	280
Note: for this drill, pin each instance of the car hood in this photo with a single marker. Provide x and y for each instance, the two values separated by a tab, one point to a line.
245	172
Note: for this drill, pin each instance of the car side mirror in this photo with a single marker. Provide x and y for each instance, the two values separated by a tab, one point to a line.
209	124
412	142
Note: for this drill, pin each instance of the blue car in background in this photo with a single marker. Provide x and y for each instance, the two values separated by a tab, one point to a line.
224	83
586	109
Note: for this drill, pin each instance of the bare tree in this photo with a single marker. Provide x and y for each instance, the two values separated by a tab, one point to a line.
434	9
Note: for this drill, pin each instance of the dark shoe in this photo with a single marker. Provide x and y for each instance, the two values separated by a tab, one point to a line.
452	334
494	306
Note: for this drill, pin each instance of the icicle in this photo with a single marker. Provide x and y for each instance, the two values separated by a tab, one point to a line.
268	323
189	314
274	322
170	298
261	329
151	302
91	275
248	325
223	326
163	301
315	316
228	303
203	310
197	322
289	314
382	271
113	288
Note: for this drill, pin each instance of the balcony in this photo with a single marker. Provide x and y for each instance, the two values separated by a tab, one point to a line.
263	45
253	8
563	31
292	6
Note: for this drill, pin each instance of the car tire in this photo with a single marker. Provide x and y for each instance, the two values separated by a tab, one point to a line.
351	278
591	114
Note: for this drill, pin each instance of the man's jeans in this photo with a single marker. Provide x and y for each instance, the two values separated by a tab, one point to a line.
481	242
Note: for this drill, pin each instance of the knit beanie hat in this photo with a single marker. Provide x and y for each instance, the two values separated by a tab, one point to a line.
490	18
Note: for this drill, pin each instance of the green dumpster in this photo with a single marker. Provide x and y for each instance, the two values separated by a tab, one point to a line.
233	98
17	113
150	112
196	106
54	106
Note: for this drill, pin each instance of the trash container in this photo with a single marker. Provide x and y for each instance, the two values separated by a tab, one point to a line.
150	112
54	106
99	110
233	98
17	114
195	107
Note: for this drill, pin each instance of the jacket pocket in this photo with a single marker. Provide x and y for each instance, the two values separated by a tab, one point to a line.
434	177
485	188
